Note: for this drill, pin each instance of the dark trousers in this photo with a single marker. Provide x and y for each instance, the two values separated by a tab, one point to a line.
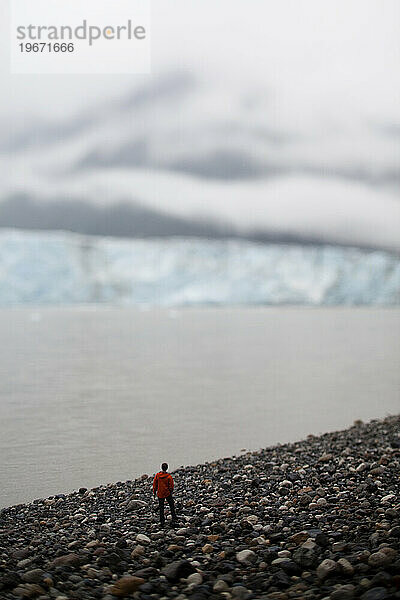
161	504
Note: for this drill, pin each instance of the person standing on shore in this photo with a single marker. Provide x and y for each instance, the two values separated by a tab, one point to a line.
163	486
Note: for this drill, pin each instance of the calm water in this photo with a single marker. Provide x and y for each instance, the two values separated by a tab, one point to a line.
93	395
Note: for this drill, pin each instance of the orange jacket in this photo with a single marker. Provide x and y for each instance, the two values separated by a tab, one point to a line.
163	484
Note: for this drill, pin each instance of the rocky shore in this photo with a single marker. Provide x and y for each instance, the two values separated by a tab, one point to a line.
313	519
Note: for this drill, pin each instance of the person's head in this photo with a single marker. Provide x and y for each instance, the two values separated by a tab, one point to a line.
164	467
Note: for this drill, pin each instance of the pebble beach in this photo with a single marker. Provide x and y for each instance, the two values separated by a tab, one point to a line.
318	518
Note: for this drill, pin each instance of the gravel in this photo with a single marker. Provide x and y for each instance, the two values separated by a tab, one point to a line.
317	518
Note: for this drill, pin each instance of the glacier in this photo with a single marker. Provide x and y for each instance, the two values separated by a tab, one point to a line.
60	268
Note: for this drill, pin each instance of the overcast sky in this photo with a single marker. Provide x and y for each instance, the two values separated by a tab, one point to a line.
343	52
307	92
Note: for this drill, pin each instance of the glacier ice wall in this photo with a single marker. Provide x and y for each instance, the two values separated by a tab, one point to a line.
65	268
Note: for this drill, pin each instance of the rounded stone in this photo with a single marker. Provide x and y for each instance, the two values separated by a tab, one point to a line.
326	568
246	557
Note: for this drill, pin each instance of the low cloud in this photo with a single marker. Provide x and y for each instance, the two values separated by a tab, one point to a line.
202	159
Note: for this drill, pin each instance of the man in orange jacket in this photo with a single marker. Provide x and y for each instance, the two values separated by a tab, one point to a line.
163	486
